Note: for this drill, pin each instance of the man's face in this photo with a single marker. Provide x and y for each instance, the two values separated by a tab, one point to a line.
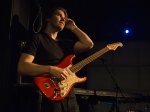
57	21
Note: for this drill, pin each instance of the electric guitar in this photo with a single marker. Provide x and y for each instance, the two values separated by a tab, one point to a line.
57	90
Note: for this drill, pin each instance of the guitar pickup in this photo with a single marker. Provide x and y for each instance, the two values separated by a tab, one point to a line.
62	93
62	88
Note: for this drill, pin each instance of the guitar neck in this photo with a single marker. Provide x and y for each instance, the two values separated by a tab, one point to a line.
81	64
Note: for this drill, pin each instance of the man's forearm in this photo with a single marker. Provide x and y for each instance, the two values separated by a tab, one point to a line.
82	36
32	69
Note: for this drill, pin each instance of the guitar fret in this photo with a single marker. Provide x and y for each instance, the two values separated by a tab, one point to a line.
87	60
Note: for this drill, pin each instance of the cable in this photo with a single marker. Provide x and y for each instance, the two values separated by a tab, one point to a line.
40	18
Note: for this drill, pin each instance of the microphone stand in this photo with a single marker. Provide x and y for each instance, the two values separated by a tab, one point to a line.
117	88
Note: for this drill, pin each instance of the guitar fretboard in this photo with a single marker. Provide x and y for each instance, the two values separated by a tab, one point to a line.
81	64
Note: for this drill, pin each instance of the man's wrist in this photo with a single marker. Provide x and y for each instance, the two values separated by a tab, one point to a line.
73	27
49	69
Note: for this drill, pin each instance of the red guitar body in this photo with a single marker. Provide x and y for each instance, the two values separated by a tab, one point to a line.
54	89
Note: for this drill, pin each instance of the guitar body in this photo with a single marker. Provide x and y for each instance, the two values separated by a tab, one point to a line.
53	88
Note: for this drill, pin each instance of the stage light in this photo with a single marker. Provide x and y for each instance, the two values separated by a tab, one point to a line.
126	31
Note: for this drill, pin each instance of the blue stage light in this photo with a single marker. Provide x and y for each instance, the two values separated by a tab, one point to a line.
126	31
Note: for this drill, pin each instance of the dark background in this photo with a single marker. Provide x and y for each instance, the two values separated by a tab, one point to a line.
102	20
107	19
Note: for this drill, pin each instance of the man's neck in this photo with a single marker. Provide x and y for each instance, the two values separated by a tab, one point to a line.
51	32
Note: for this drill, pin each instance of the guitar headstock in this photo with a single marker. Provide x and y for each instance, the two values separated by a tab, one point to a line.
114	46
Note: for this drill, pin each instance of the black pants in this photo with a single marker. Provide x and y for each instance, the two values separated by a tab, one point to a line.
66	105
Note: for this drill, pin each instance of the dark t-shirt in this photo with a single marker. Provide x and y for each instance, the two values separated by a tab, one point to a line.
48	51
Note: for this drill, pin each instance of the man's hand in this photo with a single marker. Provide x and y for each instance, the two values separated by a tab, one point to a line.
58	72
69	24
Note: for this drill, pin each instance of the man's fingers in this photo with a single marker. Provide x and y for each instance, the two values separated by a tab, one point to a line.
64	75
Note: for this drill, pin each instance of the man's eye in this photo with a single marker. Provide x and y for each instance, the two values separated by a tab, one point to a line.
60	15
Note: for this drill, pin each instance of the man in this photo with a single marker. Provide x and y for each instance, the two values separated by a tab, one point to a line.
42	53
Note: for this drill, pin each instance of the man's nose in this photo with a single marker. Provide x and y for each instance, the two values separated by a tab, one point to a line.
63	18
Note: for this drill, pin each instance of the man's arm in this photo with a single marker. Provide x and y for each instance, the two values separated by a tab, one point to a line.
84	42
28	68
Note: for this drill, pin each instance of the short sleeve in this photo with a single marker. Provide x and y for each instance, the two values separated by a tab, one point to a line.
32	45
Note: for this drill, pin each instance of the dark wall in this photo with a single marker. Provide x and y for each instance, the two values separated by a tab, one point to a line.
11	28
5	51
